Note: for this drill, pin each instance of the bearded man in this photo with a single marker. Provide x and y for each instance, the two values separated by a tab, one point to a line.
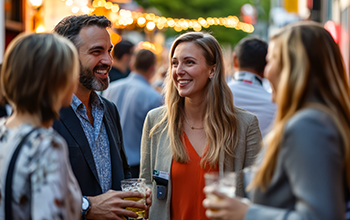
91	125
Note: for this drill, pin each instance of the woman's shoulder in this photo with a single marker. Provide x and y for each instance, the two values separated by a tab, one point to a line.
244	116
310	117
311	127
156	113
41	139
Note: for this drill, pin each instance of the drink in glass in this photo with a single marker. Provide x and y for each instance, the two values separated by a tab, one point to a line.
135	185
225	184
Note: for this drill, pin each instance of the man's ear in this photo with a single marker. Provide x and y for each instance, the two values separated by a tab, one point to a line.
262	73
235	61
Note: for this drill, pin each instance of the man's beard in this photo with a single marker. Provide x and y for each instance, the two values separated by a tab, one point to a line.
90	81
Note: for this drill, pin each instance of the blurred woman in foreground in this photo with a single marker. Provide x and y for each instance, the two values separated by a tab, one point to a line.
38	77
306	170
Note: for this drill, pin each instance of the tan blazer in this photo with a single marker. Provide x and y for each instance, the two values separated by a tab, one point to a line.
156	154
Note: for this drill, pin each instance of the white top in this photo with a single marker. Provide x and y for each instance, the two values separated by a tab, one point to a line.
249	94
44	186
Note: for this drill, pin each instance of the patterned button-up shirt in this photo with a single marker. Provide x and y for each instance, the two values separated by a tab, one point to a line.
97	137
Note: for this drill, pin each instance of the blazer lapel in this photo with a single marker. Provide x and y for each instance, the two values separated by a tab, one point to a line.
71	121
115	145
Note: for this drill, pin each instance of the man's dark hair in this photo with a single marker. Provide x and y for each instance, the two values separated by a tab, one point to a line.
70	26
121	48
144	59
251	53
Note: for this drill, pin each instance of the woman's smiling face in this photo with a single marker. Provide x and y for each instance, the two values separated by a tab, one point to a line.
190	70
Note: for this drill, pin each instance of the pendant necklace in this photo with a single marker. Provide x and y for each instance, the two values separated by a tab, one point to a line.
192	127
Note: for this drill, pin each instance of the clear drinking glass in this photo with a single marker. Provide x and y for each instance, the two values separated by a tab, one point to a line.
135	185
225	184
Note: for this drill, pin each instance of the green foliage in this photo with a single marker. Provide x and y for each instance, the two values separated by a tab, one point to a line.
193	9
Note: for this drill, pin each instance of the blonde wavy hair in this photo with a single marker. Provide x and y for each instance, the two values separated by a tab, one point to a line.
220	120
310	64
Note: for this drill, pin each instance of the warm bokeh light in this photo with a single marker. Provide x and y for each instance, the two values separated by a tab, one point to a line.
69	2
75	9
129	21
148	46
115	38
115	8
36	3
150	26
40	29
171	22
141	21
150	16
123	18
85	9
108	5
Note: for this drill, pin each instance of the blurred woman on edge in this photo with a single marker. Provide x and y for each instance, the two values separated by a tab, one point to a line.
38	77
305	174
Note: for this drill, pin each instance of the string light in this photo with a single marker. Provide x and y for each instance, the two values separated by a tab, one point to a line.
150	26
122	18
141	21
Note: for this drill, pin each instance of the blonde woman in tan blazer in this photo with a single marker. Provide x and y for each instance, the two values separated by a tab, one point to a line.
199	117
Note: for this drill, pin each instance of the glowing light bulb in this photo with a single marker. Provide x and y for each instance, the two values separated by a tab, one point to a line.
108	5
150	26
115	8
36	3
69	2
40	29
75	9
85	9
171	23
141	21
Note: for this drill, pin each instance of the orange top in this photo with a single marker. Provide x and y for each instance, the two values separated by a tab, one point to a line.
187	186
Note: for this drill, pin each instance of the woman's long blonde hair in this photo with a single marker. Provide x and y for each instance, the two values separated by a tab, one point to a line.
310	65
220	119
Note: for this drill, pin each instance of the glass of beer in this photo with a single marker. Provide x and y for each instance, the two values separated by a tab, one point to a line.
135	185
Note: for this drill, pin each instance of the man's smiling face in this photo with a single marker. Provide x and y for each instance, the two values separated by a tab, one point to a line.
95	57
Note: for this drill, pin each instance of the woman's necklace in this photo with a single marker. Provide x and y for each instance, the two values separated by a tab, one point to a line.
192	127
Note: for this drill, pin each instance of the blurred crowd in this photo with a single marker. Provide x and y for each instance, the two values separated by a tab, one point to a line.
78	115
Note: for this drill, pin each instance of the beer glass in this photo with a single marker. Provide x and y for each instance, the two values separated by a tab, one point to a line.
135	185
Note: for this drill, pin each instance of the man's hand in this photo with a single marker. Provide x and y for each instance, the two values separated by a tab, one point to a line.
111	204
148	201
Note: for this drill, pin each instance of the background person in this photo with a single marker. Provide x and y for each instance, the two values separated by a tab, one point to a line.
305	173
91	124
39	75
135	97
197	131
249	59
122	54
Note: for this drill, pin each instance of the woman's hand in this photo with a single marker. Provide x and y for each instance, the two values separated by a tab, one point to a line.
225	208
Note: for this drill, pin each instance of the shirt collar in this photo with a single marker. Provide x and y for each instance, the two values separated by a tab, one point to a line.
248	77
94	98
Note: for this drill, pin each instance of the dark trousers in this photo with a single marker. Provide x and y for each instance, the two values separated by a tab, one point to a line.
135	171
